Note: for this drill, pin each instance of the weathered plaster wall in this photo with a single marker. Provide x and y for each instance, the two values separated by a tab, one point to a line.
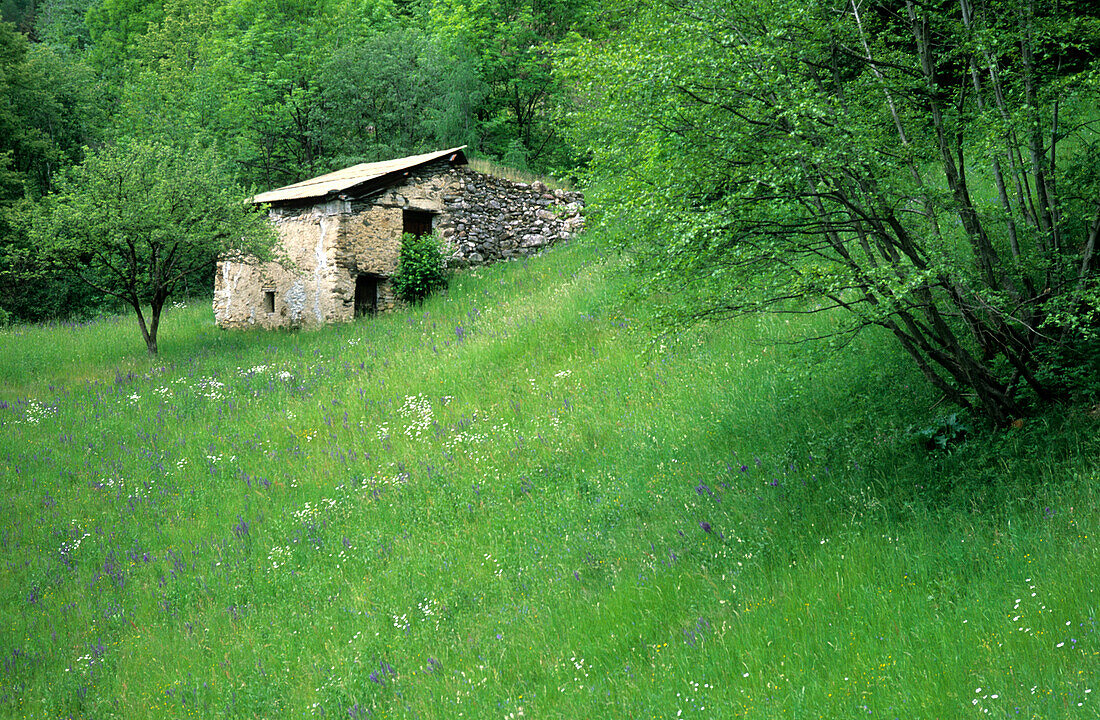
423	190
303	293
370	240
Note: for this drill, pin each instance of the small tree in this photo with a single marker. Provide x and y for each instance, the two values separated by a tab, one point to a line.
138	217
420	268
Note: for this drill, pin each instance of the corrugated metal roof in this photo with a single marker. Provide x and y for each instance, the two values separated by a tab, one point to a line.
342	180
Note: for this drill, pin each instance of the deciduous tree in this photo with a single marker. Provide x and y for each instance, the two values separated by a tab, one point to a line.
912	164
46	117
136	219
513	40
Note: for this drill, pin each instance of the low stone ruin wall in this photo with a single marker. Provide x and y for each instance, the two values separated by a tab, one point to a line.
487	218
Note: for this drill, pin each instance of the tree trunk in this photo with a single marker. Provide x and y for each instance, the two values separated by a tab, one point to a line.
154	325
148	330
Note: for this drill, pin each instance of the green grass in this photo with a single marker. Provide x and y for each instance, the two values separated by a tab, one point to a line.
516	496
489	167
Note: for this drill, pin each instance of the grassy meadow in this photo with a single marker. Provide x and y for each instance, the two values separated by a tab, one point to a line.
517	500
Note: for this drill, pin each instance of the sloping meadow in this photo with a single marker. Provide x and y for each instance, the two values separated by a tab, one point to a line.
517	501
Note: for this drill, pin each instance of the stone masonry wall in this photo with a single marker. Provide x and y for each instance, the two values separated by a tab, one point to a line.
487	218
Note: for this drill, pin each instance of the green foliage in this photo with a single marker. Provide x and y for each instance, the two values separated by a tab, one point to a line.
136	219
395	93
787	157
513	40
507	172
60	23
34	289
21	13
420	268
452	113
371	95
114	26
1074	367
175	86
285	90
46	114
943	433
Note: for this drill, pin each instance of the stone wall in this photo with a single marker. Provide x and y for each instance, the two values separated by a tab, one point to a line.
480	217
489	218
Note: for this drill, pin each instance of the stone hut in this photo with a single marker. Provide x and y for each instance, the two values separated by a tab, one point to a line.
342	231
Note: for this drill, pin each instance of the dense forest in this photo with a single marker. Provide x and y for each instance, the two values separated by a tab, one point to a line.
282	89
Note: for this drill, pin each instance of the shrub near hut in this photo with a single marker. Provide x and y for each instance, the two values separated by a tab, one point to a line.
420	268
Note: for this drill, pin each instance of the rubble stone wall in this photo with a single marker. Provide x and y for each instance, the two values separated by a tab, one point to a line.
489	218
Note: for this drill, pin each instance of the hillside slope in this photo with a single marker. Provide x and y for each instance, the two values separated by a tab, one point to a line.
516	500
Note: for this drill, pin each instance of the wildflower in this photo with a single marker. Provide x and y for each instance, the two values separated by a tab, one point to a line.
705	525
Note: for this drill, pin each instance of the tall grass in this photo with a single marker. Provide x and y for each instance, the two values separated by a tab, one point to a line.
517	500
489	167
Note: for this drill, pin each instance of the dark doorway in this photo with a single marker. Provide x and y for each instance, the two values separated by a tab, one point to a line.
417	222
366	294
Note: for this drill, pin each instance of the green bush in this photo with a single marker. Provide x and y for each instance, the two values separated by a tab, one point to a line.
1072	367
420	268
943	433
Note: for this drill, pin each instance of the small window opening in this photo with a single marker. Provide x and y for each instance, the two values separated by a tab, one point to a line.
366	294
417	222
269	301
